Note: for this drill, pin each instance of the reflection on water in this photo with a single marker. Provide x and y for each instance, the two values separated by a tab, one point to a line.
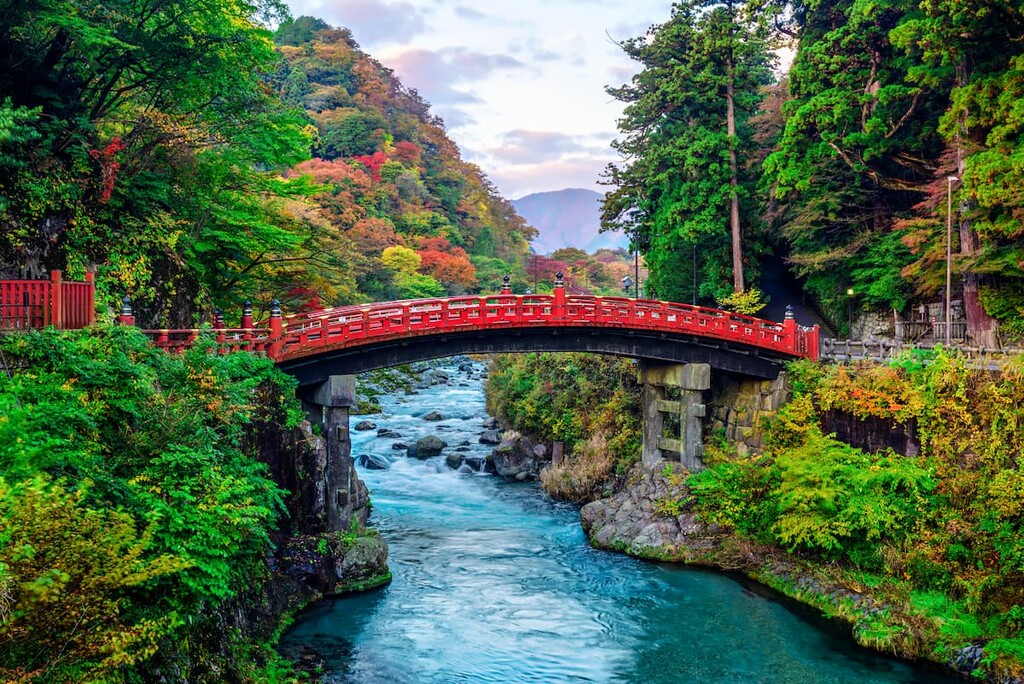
496	583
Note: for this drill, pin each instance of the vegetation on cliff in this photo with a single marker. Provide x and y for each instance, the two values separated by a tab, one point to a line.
588	402
129	510
936	536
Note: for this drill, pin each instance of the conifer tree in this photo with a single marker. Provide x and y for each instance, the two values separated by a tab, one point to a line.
681	189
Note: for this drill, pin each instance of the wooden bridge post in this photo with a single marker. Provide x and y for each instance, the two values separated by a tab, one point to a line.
336	397
276	330
692	379
559	297
126	317
56	311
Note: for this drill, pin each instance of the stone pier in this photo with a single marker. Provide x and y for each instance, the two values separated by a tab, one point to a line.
686	445
335	398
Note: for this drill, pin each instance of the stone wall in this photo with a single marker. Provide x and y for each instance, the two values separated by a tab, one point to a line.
736	406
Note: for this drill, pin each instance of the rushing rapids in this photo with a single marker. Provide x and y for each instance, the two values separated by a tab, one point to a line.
494	582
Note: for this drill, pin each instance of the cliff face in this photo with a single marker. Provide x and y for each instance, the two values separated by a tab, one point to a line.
315	556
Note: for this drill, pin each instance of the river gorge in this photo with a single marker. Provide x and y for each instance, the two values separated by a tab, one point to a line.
495	582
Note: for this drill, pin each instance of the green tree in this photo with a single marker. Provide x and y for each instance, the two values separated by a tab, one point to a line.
857	147
685	128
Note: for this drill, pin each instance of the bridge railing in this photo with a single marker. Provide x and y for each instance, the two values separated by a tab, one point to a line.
352	325
26	304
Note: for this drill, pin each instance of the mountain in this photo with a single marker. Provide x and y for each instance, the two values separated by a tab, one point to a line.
567	218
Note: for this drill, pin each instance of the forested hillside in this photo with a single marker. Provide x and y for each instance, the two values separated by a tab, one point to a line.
193	164
891	112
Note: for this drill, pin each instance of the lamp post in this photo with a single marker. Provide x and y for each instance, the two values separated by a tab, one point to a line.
627	283
849	311
949	257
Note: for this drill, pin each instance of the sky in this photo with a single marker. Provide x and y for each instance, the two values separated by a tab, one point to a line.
520	84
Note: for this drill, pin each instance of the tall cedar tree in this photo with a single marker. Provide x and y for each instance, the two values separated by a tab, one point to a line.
681	190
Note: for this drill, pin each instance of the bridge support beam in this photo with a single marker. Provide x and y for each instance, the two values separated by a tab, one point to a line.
336	397
691	379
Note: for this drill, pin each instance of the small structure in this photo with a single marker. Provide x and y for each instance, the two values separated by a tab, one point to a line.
66	305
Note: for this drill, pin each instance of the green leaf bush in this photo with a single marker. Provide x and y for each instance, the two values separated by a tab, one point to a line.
128	509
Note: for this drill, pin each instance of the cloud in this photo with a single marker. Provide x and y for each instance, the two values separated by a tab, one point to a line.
469	14
436	74
521	146
518	181
373	22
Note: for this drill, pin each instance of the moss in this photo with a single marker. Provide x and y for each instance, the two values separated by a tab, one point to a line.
365	584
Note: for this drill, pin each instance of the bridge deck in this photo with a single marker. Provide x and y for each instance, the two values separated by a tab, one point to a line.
352	326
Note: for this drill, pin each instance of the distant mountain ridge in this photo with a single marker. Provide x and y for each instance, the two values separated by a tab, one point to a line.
567	218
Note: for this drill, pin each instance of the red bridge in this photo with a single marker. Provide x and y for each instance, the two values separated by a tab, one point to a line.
353	339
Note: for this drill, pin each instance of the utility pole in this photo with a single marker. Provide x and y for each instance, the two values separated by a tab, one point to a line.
949	258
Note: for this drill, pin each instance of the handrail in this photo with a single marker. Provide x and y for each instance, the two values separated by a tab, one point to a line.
347	326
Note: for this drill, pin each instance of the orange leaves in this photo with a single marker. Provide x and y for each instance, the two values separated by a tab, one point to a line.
449	265
335	172
872	391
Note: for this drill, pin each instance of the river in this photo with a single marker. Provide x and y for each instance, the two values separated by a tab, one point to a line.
494	582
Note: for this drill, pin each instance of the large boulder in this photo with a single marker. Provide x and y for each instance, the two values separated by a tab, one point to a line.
360	563
388	434
491	424
364	425
373	462
490	437
434	416
516	458
636	520
428	446
454	460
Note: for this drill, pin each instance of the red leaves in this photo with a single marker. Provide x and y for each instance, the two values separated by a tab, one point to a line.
372	163
109	166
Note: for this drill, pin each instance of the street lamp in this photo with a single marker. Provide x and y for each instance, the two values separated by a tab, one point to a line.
949	256
849	311
627	283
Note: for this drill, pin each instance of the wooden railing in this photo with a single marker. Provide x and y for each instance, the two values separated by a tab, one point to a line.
26	304
349	326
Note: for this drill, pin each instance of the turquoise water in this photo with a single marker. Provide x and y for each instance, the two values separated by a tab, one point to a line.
496	583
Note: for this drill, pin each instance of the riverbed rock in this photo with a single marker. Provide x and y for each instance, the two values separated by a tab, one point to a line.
435	376
515	459
454	460
360	563
385	433
373	462
428	446
434	416
364	425
651	517
491	424
475	462
490	437
399	446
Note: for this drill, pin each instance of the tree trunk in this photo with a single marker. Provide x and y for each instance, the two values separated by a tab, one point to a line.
734	200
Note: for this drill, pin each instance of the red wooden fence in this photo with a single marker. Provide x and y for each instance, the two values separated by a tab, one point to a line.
28	304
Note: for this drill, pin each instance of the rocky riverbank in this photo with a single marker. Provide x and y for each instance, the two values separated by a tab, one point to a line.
651	517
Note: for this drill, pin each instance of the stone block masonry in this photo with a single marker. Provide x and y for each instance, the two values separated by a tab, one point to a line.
737	407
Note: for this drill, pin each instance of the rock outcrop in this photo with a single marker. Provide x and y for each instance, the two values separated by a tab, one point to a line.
648	518
426	447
